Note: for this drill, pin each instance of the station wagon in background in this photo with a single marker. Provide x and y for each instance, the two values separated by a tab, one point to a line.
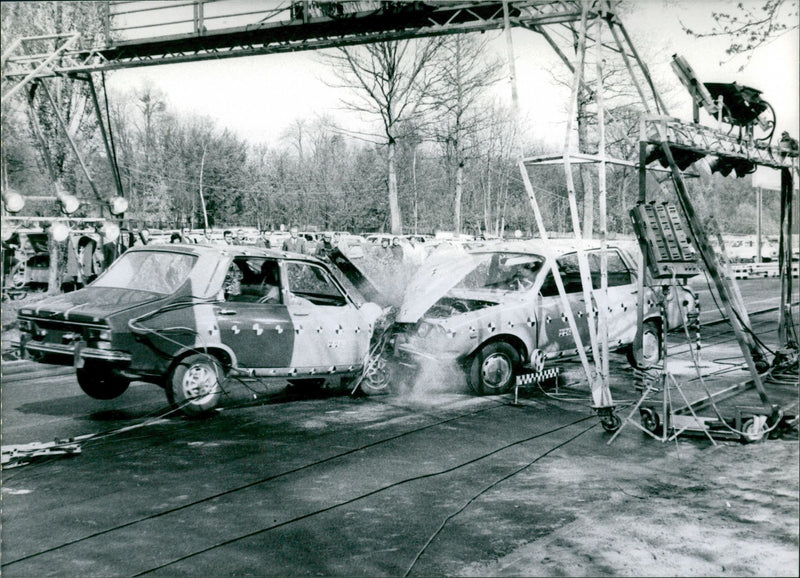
496	311
185	316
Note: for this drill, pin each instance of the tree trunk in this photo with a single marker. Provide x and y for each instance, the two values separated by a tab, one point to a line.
585	170
394	203
588	200
459	193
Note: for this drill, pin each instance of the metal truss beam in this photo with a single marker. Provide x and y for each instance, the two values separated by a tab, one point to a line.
390	21
708	141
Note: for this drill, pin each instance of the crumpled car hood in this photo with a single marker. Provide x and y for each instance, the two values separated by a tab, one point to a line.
438	275
89	304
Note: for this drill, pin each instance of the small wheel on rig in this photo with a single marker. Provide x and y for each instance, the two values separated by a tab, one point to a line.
611	423
754	429
195	384
650	354
650	420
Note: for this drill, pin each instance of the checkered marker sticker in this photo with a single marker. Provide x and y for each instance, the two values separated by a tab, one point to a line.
530	321
491	327
279	329
298	329
257	328
537	377
235	329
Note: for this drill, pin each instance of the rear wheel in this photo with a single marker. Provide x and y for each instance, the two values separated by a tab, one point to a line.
493	369
195	384
650	353
101	383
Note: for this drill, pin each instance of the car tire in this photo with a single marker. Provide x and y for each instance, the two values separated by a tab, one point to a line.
101	383
195	384
378	378
493	369
650	354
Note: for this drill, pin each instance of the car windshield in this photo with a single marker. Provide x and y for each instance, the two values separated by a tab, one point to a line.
156	271
503	272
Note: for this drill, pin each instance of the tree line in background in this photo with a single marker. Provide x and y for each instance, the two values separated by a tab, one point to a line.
444	157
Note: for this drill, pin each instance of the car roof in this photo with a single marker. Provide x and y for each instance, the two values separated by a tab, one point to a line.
232	250
550	248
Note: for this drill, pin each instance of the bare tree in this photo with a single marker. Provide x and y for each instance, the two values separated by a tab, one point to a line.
463	75
750	25
389	81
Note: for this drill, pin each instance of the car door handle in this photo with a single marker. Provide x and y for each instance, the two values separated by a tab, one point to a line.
225	312
301	313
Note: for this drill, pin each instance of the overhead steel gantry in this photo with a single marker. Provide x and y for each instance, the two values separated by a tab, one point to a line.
287	28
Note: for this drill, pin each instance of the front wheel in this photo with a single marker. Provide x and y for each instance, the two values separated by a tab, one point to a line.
493	369
650	354
377	379
101	383
194	385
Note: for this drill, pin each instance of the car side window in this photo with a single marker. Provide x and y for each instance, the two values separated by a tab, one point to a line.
618	273
313	283
253	281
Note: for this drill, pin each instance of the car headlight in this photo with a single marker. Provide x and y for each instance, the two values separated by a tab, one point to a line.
426	329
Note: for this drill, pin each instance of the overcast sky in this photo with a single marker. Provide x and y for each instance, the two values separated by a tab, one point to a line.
259	96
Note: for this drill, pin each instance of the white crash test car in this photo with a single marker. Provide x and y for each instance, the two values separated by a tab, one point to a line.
492	310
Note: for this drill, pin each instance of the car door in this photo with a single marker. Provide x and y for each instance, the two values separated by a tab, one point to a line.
329	333
260	334
621	302
555	334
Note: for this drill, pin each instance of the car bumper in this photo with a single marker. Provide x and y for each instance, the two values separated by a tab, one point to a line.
75	353
409	354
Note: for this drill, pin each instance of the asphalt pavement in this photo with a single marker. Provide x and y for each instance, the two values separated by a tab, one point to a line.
317	482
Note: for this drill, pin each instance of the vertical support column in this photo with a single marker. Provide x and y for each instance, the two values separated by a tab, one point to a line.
785	257
199	26
601	185
599	384
759	197
512	74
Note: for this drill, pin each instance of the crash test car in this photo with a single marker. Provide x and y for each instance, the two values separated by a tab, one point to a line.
497	311
185	316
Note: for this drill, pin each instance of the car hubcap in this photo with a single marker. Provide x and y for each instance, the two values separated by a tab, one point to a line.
377	376
199	383
496	370
650	347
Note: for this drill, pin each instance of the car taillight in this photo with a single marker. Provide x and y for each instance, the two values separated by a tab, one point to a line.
29	326
98	335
